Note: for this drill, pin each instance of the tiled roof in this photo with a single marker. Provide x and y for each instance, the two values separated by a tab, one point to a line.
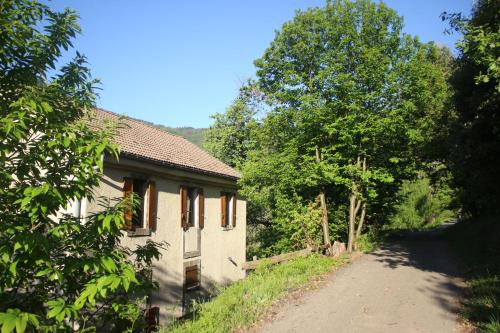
143	141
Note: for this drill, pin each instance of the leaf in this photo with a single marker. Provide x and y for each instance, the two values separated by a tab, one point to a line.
8	320
21	323
13	268
108	264
9	324
107	222
17	246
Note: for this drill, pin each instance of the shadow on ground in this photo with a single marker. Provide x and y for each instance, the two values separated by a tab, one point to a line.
427	251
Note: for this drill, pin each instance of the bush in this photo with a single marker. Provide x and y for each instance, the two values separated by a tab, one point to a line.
419	206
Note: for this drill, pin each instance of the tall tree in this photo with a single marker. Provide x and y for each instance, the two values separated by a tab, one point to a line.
231	135
351	98
58	272
475	150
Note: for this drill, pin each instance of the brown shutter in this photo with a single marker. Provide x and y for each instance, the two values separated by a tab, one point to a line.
223	204
128	188
184	194
152	205
201	209
234	209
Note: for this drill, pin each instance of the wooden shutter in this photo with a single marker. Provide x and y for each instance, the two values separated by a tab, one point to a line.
223	205
152	205
184	194
201	209
128	188
234	210
192	278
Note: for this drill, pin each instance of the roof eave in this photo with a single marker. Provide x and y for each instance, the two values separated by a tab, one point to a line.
178	166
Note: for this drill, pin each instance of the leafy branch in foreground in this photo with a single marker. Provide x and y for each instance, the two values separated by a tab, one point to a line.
59	272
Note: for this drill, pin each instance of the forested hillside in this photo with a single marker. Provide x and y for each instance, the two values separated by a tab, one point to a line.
195	135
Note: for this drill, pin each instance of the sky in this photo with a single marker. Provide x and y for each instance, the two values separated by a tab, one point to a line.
176	62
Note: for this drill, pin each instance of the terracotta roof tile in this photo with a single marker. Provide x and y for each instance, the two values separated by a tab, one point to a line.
140	140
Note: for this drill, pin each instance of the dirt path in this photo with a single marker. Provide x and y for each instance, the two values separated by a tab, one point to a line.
406	286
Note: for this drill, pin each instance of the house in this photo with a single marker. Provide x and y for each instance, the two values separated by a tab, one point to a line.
190	201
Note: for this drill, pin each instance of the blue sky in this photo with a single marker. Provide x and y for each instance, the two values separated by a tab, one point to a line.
177	62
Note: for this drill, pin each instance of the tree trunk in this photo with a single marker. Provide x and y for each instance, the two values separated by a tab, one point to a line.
361	221
324	220
353	212
352	217
363	211
324	210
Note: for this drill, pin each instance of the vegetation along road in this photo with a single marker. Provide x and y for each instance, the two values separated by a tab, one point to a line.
406	286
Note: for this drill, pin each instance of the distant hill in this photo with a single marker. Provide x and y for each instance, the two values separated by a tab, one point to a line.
195	135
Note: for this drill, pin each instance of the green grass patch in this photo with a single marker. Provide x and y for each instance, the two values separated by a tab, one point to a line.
244	302
478	244
369	242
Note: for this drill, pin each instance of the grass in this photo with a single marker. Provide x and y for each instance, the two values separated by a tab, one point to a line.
478	244
241	304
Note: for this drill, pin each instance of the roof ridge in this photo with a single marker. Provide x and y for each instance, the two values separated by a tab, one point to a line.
143	122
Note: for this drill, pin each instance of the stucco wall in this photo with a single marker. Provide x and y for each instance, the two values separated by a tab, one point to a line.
217	244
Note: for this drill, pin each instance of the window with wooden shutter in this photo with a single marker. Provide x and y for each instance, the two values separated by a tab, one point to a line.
233	201
223	209
201	209
192	277
184	208
152	205
128	188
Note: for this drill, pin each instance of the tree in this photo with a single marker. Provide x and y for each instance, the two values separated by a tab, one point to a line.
58	272
230	137
351	97
474	135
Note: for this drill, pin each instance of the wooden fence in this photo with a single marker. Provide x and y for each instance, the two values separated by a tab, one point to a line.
279	258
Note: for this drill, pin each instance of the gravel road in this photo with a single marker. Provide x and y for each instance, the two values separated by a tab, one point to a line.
407	286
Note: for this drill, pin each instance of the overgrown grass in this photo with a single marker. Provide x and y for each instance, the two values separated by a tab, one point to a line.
244	302
369	241
478	243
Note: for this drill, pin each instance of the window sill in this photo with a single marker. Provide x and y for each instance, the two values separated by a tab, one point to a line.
228	228
139	232
192	254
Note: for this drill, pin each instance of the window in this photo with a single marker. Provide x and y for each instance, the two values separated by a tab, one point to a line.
192	277
144	214
192	207
228	209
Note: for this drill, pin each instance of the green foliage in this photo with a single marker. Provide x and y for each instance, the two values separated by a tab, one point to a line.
58	272
420	206
232	134
474	135
341	82
369	241
244	302
476	241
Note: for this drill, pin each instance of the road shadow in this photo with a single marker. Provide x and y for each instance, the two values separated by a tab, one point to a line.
427	251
